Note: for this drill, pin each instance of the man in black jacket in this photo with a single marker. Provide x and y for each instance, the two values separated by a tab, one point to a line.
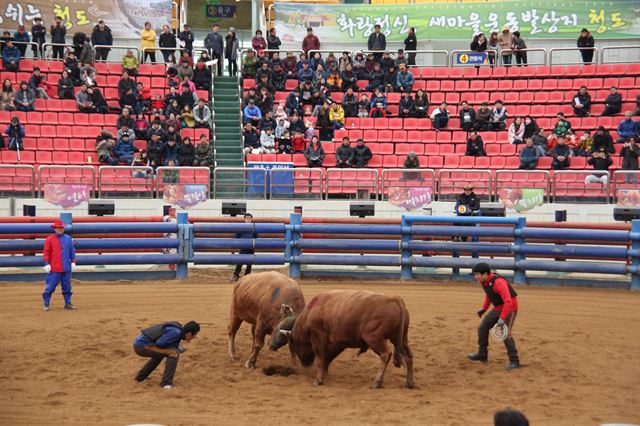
101	36
411	44
186	37
467	116
362	154
248	218
38	32
167	40
58	33
344	154
273	41
467	204
377	42
613	103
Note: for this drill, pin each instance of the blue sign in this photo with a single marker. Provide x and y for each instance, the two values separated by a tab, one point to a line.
472	58
282	181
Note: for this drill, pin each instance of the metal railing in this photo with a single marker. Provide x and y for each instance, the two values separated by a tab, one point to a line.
406	178
46	177
524	181
362	183
183	175
457	178
578	188
240	182
50	46
620	185
527	51
135	50
17	181
126	181
627	59
305	183
158	49
28	43
550	60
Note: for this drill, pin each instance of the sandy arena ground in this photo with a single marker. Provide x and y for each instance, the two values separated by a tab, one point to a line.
580	351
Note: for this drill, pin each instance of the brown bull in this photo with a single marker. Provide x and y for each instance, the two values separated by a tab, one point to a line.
336	320
257	299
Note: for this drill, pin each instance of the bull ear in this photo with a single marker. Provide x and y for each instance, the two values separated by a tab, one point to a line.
285	333
286	311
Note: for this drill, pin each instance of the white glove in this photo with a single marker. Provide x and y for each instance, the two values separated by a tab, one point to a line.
181	348
500	322
73	266
47	268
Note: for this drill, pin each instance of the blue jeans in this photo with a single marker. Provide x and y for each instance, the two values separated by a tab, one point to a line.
51	282
337	125
506	59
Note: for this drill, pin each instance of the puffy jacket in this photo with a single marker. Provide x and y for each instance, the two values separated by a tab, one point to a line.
405	79
167	40
59	252
10	54
148	39
58	34
171	153
628	128
14	136
124	148
101	37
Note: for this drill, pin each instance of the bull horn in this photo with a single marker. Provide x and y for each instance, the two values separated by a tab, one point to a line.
285	333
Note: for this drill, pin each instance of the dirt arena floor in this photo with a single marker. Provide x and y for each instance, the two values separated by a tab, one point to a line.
580	354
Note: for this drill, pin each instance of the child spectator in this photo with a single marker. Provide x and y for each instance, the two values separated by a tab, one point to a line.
298	143
362	154
141	159
475	146
516	131
267	142
281	128
528	156
284	143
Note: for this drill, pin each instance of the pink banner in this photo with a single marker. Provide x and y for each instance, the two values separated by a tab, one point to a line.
184	196
628	197
410	198
67	195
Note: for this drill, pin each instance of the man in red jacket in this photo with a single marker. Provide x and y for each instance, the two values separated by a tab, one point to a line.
500	294
59	261
310	42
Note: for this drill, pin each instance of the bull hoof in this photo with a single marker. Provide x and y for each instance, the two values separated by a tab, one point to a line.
233	358
250	365
410	386
316	382
376	385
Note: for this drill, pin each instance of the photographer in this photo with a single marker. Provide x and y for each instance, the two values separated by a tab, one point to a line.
600	160
15	133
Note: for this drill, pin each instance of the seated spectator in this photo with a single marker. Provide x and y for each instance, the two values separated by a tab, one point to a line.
581	102
184	70
530	127
529	156
401	59
440	117
376	78
203	153
336	115
297	124
201	76
125	129
251	139
386	62
334	79
267	141
378	97
498	119
25	98
629	154
290	66
305	73
202	115
156	128
104	145
7	96
171	176
126	84
315	60
10	57
350	103
141	126
390	79
467	116
278	78
171	152
87	74
187	117
144	96
15	133
613	103
362	112
157	104
422	104
411	162
541	142
345	154
6	36
319	74
298	142
173	133
125	118
125	149
294	102
307	90
268	122
71	65
572	142
186	153
362	154
188	94
561	154
406	106
378	111
65	86
475	146
173	108
404	79
600	160
314	153
155	149
359	66
585	145
284	143
628	128
130	63
349	78
562	125
130	101
483	117
170	97
252	113
264	101
34	84
249	65
84	101
516	131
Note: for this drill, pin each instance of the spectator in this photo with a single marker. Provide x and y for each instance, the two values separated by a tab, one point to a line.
541	142
498	118
25	98
186	38
560	153
126	84
336	115
15	133
125	119
167	40
87	74
528	156
314	153
101	36
173	108
155	149
345	60
376	78
581	102
258	42
188	94
185	71
294	102
130	63
600	160
187	117
290	66
505	42
613	103
585	145
467	204
404	79
231	51
386	62
65	86
21	38
509	418
252	113
629	154
273	41
406	106
378	98
410	46
310	42
268	122
297	124
129	100
467	116
186	153
7	96
440	117
71	65
377	42
156	129
284	143
479	43
345	154
305	73
203	153
171	176
359	66
298	142
10	57
104	144
267	141
144	96
362	154
422	104
202	115
148	36
637	106
171	152
411	162
493	47
516	131
141	125
334	79
530	127
324	123
378	110
58	33
157	104
628	128
125	149
519	48
562	125
249	65
38	33
251	139
401	59
173	133
78	43
281	127
350	103
475	146
585	40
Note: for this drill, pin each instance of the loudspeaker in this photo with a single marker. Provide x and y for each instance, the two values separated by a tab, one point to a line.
561	215
166	210
492	210
234	209
362	210
102	208
625	214
28	210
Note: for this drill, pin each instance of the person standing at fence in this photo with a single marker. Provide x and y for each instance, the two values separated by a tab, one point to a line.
38	32
585	40
58	33
101	36
519	48
500	294
410	46
59	261
248	218
186	38
167	40
505	40
148	42
214	43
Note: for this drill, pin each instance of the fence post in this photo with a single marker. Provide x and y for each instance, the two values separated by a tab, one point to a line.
292	253
185	247
635	259
519	274
405	257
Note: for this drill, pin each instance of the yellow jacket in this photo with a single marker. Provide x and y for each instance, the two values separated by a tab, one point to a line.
336	114
148	39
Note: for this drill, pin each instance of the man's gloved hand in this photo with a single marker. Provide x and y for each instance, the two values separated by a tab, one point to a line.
73	266
501	322
47	268
481	313
181	348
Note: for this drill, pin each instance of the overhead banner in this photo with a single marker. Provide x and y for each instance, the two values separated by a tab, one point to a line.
337	23
126	18
521	199
67	195
410	198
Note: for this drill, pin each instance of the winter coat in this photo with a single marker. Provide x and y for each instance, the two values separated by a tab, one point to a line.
630	157
101	38
58	34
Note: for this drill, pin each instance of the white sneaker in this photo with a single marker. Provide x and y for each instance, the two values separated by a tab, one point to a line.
45	307
167	387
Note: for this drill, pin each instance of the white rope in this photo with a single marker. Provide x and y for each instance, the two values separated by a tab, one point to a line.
499	333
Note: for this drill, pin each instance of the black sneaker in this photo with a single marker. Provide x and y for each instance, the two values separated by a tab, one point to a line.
70	306
513	364
477	357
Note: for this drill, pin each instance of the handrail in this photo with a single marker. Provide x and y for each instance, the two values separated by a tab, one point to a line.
244	184
28	43
386	172
321	51
446	54
635	174
372	183
136	51
160	183
566	49
546	173
606	188
61	167
530	49
452	55
32	183
294	170
278	51
52	45
145	49
605	48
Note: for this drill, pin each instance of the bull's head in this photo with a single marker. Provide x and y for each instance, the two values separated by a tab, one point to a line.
282	332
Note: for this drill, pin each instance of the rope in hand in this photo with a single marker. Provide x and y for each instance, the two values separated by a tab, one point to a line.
500	332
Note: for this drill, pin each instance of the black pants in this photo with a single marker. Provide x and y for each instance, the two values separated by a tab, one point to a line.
411	59
155	359
220	60
151	55
101	54
521	58
487	324
247	270
58	52
587	56
233	67
609	110
440	122
166	53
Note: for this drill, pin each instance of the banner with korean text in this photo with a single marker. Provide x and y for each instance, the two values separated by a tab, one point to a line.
337	23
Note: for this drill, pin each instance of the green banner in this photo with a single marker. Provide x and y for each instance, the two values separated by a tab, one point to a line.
335	23
521	199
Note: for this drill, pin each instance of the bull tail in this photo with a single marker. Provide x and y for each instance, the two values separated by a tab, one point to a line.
400	339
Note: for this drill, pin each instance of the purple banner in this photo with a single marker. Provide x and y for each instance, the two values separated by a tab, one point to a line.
67	195
410	198
184	196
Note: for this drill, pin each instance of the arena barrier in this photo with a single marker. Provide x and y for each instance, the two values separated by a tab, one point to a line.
507	244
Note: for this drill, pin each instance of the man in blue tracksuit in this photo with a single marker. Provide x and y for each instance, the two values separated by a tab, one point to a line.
248	217
163	341
59	261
